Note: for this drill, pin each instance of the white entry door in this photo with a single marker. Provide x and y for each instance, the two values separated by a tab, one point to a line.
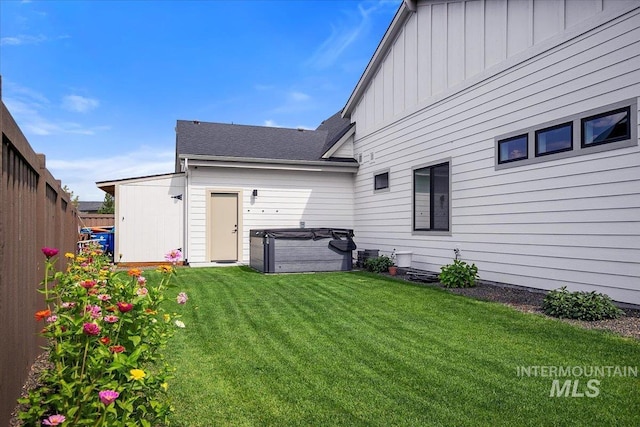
223	224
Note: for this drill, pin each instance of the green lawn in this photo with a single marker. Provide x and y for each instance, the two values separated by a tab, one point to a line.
359	349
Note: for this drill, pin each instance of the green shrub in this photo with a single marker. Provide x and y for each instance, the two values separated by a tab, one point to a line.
579	305
458	275
378	264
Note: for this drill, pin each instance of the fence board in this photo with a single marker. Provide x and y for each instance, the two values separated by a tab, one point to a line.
96	220
34	212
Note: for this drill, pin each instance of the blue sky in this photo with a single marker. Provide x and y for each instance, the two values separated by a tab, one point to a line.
97	86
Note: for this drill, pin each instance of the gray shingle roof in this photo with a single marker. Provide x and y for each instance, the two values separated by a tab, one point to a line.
259	142
336	127
89	206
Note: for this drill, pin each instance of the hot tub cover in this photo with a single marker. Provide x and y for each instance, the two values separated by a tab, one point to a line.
304	233
342	238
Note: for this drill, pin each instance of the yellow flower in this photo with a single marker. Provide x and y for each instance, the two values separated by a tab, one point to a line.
69	255
165	386
166	317
137	374
165	269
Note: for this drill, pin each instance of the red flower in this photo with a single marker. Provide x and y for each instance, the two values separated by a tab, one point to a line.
49	252
91	329
105	340
42	314
88	284
116	349
124	307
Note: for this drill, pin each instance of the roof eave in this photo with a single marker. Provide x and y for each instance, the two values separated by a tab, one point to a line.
344	138
407	7
226	161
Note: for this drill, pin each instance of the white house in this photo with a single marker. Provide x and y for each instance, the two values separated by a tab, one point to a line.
230	179
505	129
508	130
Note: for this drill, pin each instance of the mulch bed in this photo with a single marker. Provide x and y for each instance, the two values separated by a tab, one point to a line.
530	301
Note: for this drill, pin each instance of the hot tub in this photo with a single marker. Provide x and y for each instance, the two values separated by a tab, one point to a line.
296	250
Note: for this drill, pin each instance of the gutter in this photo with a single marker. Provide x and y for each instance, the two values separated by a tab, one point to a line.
259	163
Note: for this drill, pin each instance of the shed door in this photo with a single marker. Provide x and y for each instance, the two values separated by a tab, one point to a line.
223	233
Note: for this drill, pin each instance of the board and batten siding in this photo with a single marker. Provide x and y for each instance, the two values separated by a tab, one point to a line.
573	221
446	43
149	219
285	198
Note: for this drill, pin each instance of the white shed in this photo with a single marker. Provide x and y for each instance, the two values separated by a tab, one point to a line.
148	217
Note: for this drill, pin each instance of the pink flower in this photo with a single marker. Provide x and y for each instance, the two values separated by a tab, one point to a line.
182	298
174	256
111	318
54	420
68	304
142	291
142	281
88	284
124	307
108	396
52	318
94	311
104	297
49	252
91	329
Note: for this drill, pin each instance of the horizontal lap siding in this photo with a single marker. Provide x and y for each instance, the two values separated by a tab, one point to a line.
573	221
320	199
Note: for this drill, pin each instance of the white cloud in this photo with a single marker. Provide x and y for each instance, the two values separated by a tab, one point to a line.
28	107
79	104
81	174
271	124
21	40
299	96
345	33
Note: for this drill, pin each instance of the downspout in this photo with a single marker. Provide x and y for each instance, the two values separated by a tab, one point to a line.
185	215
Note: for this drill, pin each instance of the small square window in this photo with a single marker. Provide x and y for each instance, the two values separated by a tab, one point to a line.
513	149
605	128
554	139
381	181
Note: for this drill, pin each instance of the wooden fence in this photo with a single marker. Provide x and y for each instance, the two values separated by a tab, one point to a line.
96	220
34	212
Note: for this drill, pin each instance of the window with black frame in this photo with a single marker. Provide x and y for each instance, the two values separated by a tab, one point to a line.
555	139
608	127
431	198
513	149
381	181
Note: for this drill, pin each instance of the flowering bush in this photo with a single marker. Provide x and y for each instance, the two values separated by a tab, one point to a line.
105	339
